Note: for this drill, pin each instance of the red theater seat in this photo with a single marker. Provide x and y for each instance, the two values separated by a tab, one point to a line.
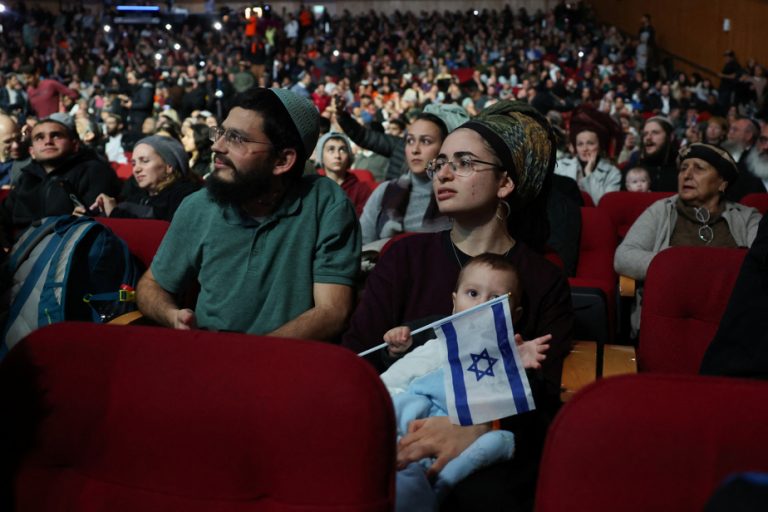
594	286
625	207
143	236
119	419
652	442
759	201
686	292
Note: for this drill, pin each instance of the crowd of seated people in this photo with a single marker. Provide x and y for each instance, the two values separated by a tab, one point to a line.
470	122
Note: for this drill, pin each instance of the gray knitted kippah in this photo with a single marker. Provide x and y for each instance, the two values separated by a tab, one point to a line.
304	115
64	120
452	115
170	150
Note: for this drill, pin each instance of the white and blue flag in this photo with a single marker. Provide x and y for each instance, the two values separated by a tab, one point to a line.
484	375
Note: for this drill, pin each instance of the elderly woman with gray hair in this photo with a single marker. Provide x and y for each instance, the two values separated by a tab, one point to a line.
698	215
160	182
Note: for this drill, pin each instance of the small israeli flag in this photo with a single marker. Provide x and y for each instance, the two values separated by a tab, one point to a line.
484	375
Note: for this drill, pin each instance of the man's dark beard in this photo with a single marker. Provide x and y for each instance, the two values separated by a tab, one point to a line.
244	187
661	157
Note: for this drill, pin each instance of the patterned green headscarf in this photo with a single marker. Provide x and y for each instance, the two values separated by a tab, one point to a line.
524	142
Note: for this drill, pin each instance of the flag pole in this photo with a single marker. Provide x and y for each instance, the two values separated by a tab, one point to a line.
437	323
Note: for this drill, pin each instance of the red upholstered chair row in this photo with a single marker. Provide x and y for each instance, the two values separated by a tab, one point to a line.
759	201
652	442
686	292
588	202
143	236
98	417
625	207
595	281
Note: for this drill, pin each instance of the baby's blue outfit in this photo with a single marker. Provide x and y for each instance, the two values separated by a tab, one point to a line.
424	397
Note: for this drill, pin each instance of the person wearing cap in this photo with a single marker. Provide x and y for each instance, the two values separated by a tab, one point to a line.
160	182
62	175
492	177
334	154
657	154
698	215
593	136
274	252
742	144
407	203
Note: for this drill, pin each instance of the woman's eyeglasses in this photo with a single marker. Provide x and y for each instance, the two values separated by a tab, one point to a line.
463	166
706	234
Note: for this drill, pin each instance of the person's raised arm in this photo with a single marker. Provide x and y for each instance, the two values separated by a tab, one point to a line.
324	321
159	305
380	143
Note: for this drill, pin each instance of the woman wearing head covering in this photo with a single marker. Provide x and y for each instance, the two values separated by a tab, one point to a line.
492	177
159	183
593	136
407	204
697	215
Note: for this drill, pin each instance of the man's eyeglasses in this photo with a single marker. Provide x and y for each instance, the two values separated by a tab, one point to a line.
463	166
232	138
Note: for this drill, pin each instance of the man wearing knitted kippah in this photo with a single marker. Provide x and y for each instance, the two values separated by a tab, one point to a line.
274	252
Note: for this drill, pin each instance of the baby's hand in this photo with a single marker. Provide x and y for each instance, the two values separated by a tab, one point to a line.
398	340
532	352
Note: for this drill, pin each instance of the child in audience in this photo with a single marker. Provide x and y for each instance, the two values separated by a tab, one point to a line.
416	382
638	180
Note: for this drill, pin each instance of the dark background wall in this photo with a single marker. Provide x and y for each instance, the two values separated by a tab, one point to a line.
693	29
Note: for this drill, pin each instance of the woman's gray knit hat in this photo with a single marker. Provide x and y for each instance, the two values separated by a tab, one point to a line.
304	115
170	150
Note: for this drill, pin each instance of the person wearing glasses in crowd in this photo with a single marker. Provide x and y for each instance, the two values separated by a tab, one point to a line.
160	183
698	215
274	252
492	177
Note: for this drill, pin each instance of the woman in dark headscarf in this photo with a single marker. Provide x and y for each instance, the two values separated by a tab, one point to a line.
492	177
159	183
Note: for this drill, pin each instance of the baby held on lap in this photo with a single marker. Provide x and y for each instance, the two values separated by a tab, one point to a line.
416	383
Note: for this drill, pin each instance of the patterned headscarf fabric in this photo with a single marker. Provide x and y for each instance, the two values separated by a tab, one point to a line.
524	142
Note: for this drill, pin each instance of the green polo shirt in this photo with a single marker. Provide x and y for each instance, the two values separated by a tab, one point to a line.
256	275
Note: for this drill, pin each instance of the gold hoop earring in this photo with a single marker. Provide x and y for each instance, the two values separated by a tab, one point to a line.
507	214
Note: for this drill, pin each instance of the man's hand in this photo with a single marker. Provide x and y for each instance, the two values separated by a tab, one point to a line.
184	319
436	437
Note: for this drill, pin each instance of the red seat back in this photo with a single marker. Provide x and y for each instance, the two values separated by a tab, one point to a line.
587	199
145	418
652	442
596	246
686	292
364	175
625	207
123	171
759	201
143	236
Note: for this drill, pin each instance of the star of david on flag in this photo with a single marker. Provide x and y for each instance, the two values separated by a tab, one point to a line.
484	375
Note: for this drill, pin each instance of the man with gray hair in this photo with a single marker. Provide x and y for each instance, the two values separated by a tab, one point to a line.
274	252
742	144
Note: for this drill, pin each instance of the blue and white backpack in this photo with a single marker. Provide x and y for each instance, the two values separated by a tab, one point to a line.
67	268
